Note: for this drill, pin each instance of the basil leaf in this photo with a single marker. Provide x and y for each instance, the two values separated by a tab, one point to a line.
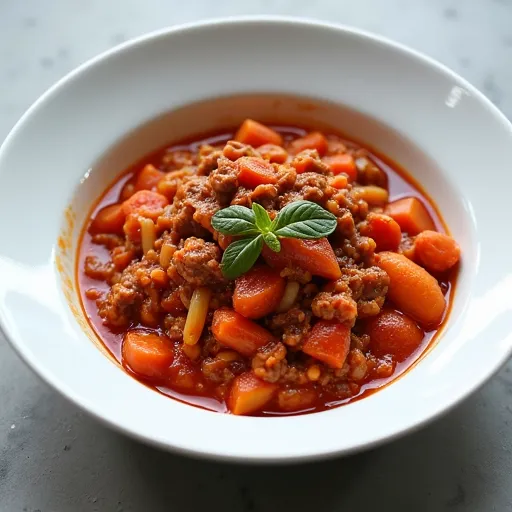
272	241
304	219
235	220
240	256
263	221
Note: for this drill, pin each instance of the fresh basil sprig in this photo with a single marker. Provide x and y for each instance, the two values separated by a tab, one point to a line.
300	219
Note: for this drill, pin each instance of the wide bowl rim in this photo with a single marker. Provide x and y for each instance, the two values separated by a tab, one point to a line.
47	375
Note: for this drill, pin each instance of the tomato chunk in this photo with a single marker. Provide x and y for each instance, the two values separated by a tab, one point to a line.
411	215
108	220
256	134
328	342
147	354
393	333
258	292
239	333
249	394
254	171
315	256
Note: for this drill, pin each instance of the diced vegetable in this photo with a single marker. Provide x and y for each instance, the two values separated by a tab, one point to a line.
258	292
293	400
239	333
148	178
290	296
255	171
147	234
384	230
273	153
196	316
373	195
249	394
256	134
437	252
313	140
147	203
413	289
328	342
183	373
108	220
393	333
342	163
147	354
411	215
339	182
315	256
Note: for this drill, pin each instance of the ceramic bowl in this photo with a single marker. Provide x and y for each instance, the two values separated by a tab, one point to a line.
132	99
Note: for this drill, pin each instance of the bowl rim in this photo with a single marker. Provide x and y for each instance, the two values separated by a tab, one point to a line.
236	20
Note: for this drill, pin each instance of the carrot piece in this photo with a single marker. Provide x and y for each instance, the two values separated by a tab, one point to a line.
147	354
273	153
315	256
339	182
413	289
256	134
313	140
108	220
384	230
393	333
148	178
147	203
258	292
411	215
436	251
249	394
254	171
183	373
328	342
239	333
342	163
290	400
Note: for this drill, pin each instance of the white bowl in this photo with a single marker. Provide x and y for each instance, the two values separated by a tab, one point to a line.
449	136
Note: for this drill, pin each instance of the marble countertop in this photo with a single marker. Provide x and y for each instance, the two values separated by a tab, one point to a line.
54	458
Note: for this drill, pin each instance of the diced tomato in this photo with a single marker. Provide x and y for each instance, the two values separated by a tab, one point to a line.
328	342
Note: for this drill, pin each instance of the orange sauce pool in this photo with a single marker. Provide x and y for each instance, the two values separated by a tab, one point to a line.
400	184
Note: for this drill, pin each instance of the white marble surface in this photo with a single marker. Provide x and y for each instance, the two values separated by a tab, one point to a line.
53	458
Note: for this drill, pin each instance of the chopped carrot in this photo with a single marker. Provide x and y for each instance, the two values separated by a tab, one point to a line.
328	342
437	252
339	182
183	373
147	203
384	230
147	354
393	333
342	163
249	394
413	289
315	256
313	140
411	215
108	220
239	333
258	292
256	134
131	227
296	399
273	153
254	171
148	178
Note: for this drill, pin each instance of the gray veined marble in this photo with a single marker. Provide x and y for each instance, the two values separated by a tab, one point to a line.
53	458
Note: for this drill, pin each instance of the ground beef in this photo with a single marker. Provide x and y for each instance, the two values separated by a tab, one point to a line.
173	326
208	162
224	180
108	240
292	326
270	362
266	196
339	306
234	150
368	173
309	161
312	186
97	269
198	262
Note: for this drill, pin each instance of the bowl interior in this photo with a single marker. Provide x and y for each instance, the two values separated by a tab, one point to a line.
108	113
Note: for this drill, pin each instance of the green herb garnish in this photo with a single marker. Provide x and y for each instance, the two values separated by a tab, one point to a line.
300	219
